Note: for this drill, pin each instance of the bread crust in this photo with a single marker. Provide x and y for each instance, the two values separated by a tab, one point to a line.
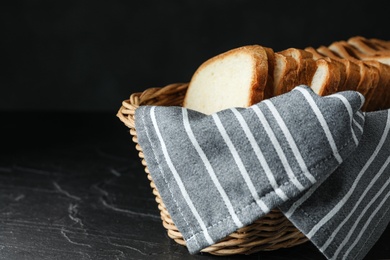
380	44
352	75
316	55
344	50
284	73
363	45
330	81
350	70
305	67
269	88
359	48
379	98
368	82
259	78
340	68
328	52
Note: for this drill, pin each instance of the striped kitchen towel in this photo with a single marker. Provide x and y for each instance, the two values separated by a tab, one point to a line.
318	159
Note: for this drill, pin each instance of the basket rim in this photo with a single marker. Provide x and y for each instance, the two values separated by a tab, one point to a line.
150	96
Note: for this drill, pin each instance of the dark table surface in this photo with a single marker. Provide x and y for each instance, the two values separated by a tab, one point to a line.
72	187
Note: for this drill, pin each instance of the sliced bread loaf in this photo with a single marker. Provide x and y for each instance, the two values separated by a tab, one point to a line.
246	75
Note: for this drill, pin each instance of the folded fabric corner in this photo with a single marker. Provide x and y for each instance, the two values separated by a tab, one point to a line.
217	173
345	214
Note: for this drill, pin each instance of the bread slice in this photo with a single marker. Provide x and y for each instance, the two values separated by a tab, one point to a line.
285	71
380	44
369	79
328	52
315	53
236	78
380	97
339	65
360	51
350	71
382	59
363	45
327	77
368	50
269	88
305	67
344	50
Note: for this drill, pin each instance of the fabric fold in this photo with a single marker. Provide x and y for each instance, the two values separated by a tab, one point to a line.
217	173
346	214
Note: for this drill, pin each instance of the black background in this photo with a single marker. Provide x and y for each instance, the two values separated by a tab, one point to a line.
90	55
72	185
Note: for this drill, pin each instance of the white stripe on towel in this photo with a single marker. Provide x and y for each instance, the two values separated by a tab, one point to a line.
322	121
178	179
360	114
260	156
358	125
278	148
350	113
363	230
341	203
363	212
290	140
356	205
210	169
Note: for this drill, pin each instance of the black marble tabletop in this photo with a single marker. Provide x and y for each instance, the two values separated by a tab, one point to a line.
72	187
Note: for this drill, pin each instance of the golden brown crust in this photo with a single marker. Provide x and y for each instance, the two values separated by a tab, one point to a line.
344	50
326	52
315	53
380	44
260	74
369	78
363	45
282	64
305	68
290	78
379	98
352	75
340	69
349	71
332	79
269	88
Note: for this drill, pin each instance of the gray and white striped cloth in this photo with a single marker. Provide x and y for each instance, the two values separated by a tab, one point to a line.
320	160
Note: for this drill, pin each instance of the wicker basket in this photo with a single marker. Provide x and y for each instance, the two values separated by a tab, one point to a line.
270	232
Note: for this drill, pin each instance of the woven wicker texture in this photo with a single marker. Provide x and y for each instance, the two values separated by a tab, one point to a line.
271	232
